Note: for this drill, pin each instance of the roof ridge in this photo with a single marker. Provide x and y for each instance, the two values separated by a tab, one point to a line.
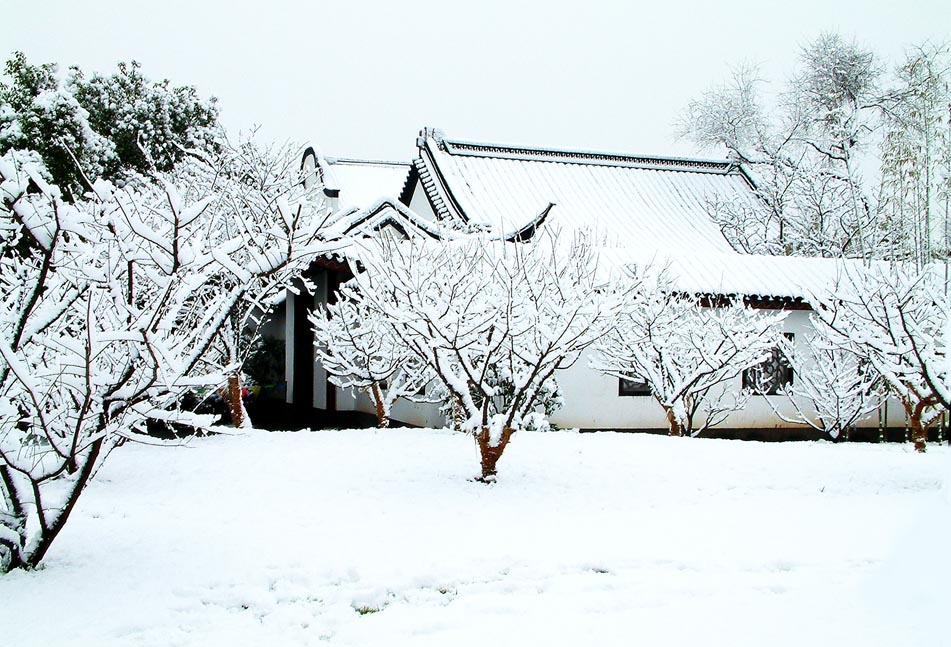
484	149
357	160
585	157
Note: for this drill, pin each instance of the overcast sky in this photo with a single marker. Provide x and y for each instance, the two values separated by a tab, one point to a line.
361	77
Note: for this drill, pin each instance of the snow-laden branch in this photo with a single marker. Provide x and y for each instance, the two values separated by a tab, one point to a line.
834	389
685	349
493	321
896	322
109	308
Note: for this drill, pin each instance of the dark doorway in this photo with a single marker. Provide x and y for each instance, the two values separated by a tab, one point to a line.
303	351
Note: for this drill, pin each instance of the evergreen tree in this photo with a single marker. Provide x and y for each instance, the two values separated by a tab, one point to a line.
109	127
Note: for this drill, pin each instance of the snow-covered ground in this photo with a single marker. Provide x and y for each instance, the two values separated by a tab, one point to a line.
378	538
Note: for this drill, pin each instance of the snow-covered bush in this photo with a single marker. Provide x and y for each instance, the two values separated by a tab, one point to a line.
686	350
481	313
108	307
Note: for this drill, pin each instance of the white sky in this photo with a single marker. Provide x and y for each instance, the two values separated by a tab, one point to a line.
361	77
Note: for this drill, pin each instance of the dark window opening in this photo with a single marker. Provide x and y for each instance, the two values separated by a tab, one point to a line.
773	375
633	386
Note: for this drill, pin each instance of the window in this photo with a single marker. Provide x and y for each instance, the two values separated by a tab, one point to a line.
633	386
773	375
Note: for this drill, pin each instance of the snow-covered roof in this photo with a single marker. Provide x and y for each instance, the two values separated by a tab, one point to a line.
658	203
364	182
382	213
641	210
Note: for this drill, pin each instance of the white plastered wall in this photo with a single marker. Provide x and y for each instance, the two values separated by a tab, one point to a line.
591	399
420	415
320	374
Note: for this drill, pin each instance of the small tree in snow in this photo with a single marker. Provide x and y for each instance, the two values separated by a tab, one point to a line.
834	387
686	351
896	322
258	191
108	307
360	349
494	321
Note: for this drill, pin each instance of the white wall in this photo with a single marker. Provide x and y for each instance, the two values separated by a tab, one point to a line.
320	374
421	415
289	310
420	203
592	400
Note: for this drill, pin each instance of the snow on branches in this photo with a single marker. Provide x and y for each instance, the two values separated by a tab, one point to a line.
850	160
835	388
261	203
895	321
108	308
686	350
493	321
360	349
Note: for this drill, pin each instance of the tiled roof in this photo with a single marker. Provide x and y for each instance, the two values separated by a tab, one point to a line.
364	182
642	210
631	201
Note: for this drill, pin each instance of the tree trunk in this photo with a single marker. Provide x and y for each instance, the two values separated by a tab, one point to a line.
919	433
382	420
490	454
49	534
235	405
676	429
456	414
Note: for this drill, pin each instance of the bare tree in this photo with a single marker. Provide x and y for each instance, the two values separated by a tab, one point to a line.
896	322
916	157
807	152
494	321
108	308
687	349
360	349
834	387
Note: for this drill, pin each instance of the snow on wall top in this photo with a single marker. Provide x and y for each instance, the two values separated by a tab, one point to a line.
657	203
750	275
364	182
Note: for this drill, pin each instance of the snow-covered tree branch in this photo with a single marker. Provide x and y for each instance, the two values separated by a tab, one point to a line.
360	349
686	350
834	387
108	307
895	321
260	199
493	321
848	159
